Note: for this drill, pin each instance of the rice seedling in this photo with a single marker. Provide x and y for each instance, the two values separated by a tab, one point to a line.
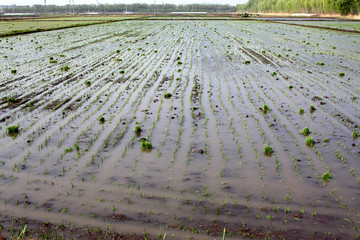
305	131
326	176
265	108
11	100
145	145
69	149
268	150
355	134
13	129
167	95
65	68
102	119
138	129
301	111
312	108
310	141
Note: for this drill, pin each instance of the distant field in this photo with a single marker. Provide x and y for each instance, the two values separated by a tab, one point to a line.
23	26
183	128
346	25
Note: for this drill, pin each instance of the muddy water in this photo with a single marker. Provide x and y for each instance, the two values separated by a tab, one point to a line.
207	169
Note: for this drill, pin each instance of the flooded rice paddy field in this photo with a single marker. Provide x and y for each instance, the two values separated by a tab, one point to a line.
237	89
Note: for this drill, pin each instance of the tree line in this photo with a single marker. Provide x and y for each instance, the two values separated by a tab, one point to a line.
136	7
343	7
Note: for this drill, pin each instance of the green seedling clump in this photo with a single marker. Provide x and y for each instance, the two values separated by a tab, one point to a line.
145	145
138	129
13	129
101	119
326	140
305	131
341	74
301	111
310	141
167	95
326	176
355	134
88	83
13	71
65	68
122	71
11	100
265	108
312	108
247	62
69	149
268	149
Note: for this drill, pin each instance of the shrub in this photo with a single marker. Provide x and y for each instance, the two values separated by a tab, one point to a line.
247	62
145	145
268	149
122	71
179	62
320	63
13	71
341	74
88	83
138	129
167	95
305	131
310	141
13	129
326	140
53	61
326	176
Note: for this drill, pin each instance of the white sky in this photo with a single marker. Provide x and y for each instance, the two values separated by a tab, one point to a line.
63	2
